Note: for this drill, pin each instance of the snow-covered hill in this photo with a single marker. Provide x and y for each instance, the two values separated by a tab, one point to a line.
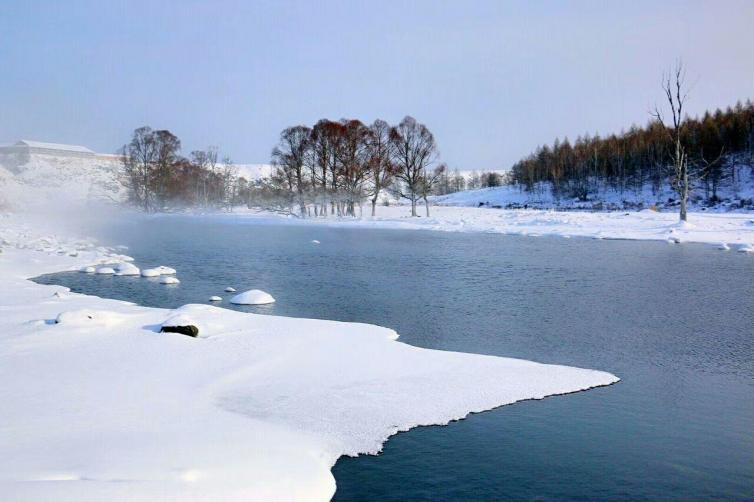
738	195
43	179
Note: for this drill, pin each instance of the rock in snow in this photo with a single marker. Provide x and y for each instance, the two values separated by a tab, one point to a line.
230	290
215	299
105	270
315	241
180	323
87	270
169	280
252	297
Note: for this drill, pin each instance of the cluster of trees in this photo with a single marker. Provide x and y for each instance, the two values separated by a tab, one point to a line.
157	176
647	155
334	166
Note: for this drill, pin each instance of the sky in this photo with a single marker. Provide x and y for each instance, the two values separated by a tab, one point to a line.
492	80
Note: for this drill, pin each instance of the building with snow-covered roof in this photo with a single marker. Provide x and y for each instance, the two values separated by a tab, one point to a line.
29	147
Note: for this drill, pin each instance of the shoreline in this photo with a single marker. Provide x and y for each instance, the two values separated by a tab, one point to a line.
736	230
88	393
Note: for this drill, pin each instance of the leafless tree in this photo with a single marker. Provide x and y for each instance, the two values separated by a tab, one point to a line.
673	84
414	151
380	160
429	183
139	157
167	147
289	157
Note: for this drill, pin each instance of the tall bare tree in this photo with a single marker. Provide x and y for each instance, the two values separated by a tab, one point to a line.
414	151
167	146
380	160
673	85
429	183
289	157
139	157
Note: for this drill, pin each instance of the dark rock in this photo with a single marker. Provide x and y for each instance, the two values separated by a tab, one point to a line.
189	330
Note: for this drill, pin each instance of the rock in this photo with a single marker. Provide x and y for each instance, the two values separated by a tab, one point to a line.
126	268
230	290
87	270
188	330
215	299
105	270
169	280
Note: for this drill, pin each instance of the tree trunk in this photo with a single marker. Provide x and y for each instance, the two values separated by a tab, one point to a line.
374	207
684	190
426	205
413	207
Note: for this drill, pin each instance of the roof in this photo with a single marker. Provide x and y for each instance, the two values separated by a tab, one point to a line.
53	146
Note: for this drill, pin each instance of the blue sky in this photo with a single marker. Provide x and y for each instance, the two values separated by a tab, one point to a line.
492	80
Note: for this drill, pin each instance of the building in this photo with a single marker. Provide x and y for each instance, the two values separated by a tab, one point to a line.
25	147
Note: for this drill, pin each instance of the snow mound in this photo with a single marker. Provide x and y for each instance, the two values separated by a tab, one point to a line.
252	297
230	290
169	280
157	271
89	318
215	299
315	241
105	270
748	248
87	270
126	268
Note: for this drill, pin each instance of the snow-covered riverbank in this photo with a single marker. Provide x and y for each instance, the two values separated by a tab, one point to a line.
98	404
736	230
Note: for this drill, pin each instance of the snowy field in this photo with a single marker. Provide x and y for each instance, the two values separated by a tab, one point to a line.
99	405
731	231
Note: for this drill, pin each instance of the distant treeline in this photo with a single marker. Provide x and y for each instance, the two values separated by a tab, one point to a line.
641	156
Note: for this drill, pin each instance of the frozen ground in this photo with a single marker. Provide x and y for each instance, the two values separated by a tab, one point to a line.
97	404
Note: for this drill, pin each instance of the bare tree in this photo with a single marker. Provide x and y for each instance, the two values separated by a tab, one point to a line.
290	157
673	84
414	150
380	160
429	183
229	181
139	157
325	140
167	146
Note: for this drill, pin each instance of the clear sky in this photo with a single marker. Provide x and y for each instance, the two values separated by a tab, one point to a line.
492	80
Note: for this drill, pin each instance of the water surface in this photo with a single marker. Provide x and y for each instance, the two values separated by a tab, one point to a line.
675	322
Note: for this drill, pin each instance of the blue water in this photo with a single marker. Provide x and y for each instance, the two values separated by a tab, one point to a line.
676	323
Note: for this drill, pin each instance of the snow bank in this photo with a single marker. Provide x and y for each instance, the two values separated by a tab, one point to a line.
98	405
252	297
735	229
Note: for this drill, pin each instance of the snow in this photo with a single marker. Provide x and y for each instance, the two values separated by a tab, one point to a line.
315	241
98	404
169	280
734	229
230	290
87	270
252	297
126	268
215	299
105	270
